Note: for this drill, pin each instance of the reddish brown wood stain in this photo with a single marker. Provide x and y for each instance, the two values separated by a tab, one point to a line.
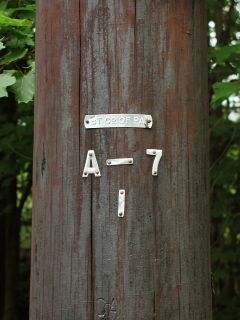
126	56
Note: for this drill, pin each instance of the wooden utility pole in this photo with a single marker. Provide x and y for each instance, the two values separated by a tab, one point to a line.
121	57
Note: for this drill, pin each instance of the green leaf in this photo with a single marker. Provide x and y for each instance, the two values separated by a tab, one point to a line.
30	7
223	54
7	21
3	6
223	90
24	87
13	56
19	42
1	45
6	80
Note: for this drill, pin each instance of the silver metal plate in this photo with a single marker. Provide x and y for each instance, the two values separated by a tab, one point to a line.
118	121
119	162
121	203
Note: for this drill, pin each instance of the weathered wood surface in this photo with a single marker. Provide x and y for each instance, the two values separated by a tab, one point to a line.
122	56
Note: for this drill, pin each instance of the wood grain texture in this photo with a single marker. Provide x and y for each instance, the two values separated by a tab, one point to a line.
121	56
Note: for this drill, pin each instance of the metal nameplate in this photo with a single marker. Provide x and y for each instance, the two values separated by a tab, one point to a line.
118	121
119	162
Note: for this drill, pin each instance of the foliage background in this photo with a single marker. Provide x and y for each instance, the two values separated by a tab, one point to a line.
16	132
224	89
16	135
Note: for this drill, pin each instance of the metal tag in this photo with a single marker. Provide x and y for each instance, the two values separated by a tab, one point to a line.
118	162
118	121
121	203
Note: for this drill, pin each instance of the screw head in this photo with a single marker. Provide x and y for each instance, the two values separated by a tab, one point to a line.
85	173
120	214
130	161
109	162
87	121
90	154
149	121
122	192
154	152
155	173
97	172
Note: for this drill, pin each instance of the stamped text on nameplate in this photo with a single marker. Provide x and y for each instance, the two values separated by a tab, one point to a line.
118	121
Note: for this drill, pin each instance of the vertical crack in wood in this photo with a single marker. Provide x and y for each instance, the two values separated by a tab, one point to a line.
80	82
154	305
91	252
43	161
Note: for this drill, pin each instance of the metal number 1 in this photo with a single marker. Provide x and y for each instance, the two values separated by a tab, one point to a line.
158	155
121	203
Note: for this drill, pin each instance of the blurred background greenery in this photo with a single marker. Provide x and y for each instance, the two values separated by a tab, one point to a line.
16	136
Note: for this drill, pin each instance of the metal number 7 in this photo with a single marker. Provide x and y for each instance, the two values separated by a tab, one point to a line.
158	155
